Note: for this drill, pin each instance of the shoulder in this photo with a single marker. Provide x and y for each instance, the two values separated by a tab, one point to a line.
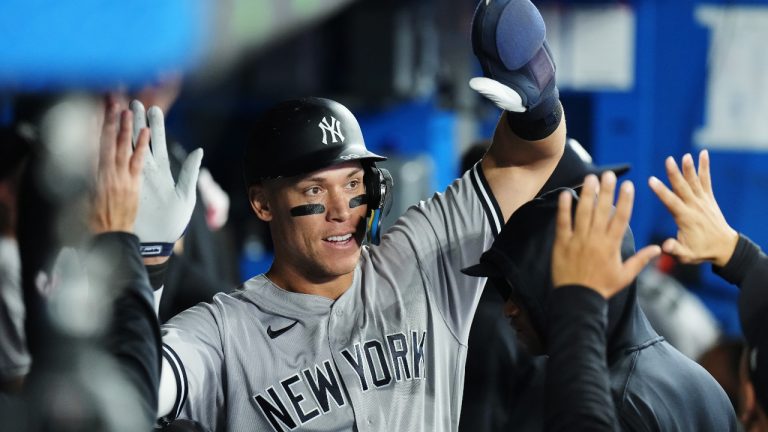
669	384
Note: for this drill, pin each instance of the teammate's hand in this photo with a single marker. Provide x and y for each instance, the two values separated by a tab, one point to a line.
115	198
703	234
587	252
502	95
165	206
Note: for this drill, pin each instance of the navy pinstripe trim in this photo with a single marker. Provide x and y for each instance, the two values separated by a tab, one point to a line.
181	379
491	206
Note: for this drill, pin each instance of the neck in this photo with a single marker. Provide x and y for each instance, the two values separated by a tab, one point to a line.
290	279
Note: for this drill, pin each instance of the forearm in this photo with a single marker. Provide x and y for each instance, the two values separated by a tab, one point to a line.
517	169
133	337
748	268
509	150
578	384
157	268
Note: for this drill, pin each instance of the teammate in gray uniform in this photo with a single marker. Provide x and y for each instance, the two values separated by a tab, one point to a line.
340	334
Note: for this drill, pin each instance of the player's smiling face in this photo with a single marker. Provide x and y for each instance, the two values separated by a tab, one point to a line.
317	221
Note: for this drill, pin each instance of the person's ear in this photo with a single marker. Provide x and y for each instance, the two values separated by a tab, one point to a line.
747	408
258	197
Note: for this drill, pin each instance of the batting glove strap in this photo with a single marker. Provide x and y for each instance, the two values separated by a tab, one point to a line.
156	249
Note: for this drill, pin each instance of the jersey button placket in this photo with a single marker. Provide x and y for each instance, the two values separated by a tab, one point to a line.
341	340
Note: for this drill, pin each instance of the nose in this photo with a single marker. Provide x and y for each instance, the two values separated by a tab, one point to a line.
338	207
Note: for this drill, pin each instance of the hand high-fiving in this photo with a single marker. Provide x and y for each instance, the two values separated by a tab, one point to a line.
587	250
115	198
166	205
703	234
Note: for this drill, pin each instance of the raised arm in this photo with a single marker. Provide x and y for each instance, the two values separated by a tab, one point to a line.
165	210
587	269
705	236
508	38
133	337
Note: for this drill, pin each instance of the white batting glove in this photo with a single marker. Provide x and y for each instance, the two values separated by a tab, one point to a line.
165	206
503	96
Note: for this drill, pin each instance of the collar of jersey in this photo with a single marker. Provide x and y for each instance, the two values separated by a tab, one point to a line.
265	294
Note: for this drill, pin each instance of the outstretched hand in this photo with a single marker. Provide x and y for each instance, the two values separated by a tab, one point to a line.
703	233
166	205
587	250
115	198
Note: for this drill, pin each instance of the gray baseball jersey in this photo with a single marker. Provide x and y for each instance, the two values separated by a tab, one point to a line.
387	355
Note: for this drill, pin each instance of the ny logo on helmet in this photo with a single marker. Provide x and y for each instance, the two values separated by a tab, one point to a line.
334	128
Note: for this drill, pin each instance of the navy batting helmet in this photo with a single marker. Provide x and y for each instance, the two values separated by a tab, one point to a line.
299	136
303	135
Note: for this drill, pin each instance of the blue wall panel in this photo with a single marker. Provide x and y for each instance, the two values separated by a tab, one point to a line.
413	128
658	118
86	43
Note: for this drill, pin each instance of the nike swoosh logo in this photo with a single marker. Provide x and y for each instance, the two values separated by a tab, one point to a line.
275	333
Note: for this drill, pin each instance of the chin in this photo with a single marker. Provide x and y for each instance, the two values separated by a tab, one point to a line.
347	266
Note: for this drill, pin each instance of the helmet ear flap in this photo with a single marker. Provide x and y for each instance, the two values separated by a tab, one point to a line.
378	190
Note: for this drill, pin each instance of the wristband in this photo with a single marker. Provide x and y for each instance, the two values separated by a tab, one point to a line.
156	249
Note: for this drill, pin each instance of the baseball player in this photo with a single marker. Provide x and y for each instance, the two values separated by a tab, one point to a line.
351	330
607	368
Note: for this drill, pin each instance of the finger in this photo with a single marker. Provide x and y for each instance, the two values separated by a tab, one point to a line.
123	150
704	175
675	248
689	172
108	135
677	181
637	262
586	205
604	206
139	119
564	228
188	175
620	220
157	136
140	152
672	202
120	97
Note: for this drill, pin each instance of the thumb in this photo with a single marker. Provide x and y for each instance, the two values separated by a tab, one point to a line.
188	175
635	264
500	94
677	249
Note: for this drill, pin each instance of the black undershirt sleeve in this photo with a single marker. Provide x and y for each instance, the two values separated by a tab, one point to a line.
157	273
578	396
133	337
748	269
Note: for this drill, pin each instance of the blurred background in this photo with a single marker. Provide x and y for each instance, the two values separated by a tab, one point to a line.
639	80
